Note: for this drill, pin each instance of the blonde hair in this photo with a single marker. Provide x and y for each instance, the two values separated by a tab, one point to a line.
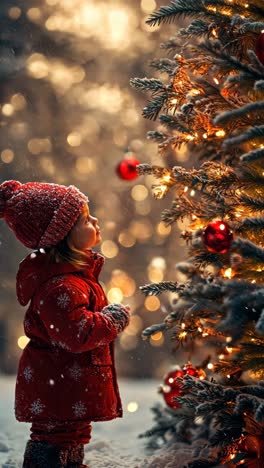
65	251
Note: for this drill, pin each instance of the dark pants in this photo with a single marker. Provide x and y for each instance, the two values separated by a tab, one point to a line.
64	434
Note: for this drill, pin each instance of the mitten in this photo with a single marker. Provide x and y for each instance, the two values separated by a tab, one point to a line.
119	314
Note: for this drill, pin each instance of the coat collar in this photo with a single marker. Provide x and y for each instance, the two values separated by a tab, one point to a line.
37	268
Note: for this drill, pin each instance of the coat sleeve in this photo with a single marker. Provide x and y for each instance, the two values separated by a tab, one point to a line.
64	311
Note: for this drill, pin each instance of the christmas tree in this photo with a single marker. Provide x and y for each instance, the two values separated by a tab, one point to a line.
211	101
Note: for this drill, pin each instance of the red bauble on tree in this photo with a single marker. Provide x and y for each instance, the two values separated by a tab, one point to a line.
217	237
126	169
260	48
171	388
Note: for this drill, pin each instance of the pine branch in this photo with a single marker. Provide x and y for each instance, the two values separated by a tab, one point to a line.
256	204
170	45
222	58
255	224
156	171
253	155
248	135
155	289
251	26
164	65
176	8
152	110
259	85
173	122
257	106
184	8
156	136
154	329
196	28
147	84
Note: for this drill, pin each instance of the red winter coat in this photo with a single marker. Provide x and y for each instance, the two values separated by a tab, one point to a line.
67	370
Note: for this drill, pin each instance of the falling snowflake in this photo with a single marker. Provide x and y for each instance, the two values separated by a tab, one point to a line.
28	373
63	300
37	407
75	371
79	409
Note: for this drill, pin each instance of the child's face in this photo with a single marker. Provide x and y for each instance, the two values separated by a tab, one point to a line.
85	233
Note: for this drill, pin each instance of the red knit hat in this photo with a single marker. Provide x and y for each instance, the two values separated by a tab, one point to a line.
40	214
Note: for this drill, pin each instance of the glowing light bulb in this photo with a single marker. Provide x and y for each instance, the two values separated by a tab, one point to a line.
220	133
228	273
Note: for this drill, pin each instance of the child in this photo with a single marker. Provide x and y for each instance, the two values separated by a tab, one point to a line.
66	374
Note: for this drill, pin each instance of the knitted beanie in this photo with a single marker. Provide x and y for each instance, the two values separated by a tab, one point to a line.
40	214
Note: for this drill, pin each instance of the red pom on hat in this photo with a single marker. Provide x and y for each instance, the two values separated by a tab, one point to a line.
40	214
7	191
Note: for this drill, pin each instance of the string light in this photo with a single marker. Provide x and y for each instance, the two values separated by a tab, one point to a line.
220	133
182	334
166	178
194	92
228	273
160	191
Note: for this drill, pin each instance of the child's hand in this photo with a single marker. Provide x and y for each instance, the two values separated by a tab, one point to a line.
119	313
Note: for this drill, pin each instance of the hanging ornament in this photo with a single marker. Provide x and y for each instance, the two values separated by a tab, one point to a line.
260	48
171	389
126	169
217	237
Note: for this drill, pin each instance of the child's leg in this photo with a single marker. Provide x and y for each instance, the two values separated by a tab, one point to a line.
64	434
51	443
40	454
76	453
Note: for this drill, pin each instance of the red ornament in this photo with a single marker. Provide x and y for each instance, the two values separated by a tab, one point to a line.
171	388
260	48
217	237
190	370
126	169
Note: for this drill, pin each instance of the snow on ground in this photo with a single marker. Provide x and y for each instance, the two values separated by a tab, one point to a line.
114	443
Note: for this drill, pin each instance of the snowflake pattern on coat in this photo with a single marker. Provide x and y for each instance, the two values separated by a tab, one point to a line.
82	323
28	373
75	371
79	409
63	300
37	407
